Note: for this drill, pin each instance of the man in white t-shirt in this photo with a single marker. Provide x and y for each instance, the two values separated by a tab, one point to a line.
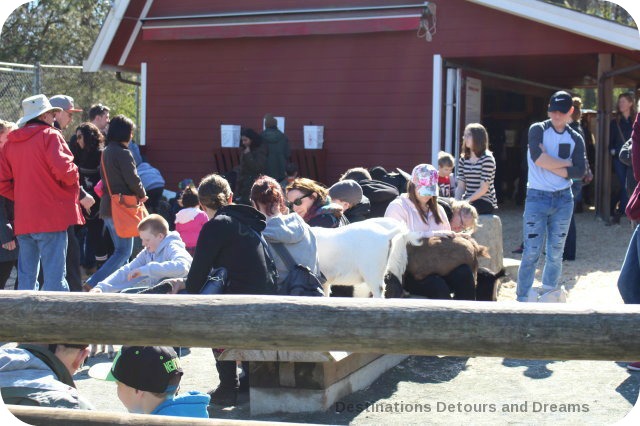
555	155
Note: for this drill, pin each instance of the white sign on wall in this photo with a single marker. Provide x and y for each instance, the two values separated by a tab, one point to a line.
229	135
473	100
280	121
313	137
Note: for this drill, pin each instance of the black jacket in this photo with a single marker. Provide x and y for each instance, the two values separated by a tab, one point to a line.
6	230
360	211
380	194
227	241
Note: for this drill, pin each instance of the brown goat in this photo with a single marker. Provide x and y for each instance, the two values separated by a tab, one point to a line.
440	256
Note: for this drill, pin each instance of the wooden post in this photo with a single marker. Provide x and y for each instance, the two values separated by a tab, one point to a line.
603	158
63	417
401	326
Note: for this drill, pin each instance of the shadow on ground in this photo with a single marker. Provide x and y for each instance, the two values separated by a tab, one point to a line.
535	369
427	369
630	388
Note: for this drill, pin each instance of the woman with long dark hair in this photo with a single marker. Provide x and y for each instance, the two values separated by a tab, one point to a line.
420	210
122	178
253	163
89	142
477	170
619	132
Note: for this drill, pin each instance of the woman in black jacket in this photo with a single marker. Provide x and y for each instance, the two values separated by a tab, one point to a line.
231	240
8	248
253	163
88	143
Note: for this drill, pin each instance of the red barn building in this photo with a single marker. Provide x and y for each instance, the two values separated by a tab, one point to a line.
385	95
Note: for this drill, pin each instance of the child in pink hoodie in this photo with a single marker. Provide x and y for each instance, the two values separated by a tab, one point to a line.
190	219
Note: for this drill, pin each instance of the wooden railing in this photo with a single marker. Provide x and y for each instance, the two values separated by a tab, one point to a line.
406	326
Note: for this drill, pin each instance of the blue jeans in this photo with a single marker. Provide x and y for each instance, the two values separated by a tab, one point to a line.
48	249
546	214
621	173
629	279
122	249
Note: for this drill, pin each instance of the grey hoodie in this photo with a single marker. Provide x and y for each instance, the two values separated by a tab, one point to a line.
27	380
295	234
171	260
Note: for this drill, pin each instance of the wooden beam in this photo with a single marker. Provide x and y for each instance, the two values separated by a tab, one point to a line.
603	158
400	326
43	416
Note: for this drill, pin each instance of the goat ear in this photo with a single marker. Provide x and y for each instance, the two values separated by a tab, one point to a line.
483	251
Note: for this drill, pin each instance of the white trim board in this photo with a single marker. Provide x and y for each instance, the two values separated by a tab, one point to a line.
134	33
105	38
568	20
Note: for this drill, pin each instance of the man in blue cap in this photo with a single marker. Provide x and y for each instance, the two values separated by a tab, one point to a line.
555	155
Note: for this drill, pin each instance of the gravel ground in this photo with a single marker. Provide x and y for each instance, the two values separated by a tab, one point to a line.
476	390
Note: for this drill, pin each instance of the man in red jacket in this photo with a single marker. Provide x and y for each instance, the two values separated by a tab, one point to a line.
38	173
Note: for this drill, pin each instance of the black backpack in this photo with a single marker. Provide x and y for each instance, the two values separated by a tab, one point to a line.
272	271
300	281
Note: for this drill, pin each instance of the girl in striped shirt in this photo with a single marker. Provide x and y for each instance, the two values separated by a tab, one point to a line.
477	170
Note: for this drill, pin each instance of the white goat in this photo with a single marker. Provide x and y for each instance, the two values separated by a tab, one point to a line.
364	252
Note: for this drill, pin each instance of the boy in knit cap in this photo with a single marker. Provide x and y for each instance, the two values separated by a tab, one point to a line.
148	378
348	194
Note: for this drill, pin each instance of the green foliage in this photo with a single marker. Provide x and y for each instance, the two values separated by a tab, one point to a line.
60	32
600	8
52	31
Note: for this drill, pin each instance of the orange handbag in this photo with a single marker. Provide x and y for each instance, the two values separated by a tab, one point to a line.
126	211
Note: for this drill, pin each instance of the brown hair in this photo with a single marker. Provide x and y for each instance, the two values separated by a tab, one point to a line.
154	223
357	174
190	196
432	204
267	191
308	187
480	139
577	108
92	136
634	110
214	191
445	159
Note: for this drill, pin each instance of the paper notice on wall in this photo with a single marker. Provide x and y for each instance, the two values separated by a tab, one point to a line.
313	137
229	135
473	101
280	121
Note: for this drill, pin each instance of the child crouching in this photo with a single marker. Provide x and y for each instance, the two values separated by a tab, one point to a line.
164	256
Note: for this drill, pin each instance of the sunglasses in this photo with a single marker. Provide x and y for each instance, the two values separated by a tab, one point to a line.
297	201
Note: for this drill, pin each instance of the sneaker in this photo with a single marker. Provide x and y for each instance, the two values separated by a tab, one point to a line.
224	397
634	366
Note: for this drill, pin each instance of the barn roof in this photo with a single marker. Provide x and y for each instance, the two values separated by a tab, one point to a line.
125	20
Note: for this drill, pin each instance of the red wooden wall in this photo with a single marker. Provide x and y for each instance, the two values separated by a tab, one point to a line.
372	92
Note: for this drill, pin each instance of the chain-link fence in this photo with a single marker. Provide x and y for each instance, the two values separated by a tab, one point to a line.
19	81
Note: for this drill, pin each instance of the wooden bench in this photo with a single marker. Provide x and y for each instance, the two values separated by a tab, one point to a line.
311	162
296	382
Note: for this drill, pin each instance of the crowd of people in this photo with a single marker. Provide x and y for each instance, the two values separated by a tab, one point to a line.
241	222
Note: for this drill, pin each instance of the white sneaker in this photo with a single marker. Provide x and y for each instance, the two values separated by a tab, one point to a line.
547	294
558	295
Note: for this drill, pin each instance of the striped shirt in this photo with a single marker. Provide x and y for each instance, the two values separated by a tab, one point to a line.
473	174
